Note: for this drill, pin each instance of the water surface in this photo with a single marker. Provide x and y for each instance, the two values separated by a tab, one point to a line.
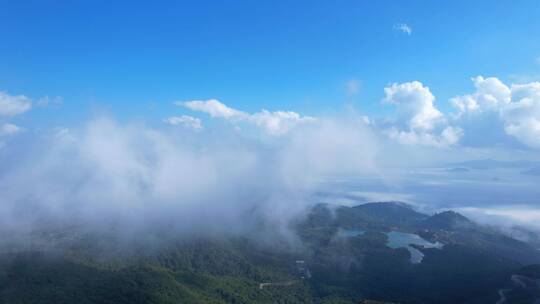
398	239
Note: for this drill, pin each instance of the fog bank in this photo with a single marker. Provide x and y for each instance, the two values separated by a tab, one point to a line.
136	178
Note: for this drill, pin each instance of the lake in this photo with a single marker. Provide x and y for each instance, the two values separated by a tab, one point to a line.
404	240
398	239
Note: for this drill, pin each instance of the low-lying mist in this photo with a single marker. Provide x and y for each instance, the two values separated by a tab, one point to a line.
134	180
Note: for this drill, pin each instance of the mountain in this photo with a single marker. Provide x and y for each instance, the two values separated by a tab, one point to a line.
447	220
390	212
378	215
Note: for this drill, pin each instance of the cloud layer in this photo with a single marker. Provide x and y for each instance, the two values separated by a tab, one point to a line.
266	167
136	177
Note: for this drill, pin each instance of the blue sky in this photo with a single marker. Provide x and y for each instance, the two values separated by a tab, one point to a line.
134	60
127	104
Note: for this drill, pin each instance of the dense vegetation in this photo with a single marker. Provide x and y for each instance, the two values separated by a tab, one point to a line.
471	268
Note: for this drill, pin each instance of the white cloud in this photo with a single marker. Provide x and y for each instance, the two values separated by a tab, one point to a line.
419	121
447	137
415	104
13	105
504	215
522	116
186	121
517	107
140	177
403	27
8	129
466	103
213	107
526	91
490	94
278	122
273	123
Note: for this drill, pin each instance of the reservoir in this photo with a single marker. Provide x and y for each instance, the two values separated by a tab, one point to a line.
398	239
404	240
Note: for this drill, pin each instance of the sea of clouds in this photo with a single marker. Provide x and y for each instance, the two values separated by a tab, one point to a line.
224	170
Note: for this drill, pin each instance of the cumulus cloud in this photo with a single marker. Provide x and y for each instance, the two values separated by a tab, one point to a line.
419	121
491	94
515	108
403	27
273	123
186	121
522	117
13	105
415	104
